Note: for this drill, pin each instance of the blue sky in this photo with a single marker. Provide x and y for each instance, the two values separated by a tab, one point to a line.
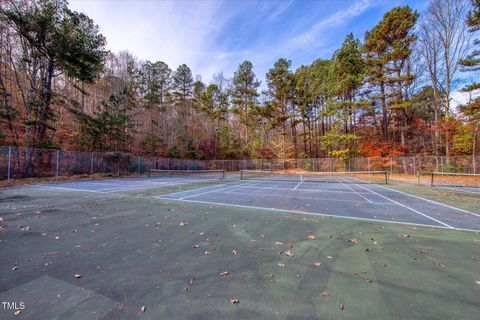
214	36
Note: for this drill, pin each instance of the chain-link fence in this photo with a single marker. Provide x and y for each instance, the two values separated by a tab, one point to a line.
22	163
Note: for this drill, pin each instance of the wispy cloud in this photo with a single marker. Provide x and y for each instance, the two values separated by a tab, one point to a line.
342	16
279	10
215	36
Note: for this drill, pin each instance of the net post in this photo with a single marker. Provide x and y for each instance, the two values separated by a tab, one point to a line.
387	173
9	166
418	178
91	165
431	181
57	164
241	174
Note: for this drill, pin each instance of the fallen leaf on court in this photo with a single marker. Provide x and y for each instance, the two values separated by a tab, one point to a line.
77	275
234	252
406	236
17	312
279	243
440	265
311	237
206	253
367	249
224	273
477	281
325	294
15	268
341	306
289	254
317	263
262	236
355	273
143	308
190	281
234	301
281	265
183	223
196	246
354	241
201	233
290	245
329	257
368	281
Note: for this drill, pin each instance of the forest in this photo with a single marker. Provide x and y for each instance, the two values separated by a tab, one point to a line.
386	93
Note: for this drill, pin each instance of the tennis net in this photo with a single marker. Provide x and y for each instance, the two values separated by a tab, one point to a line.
195	174
446	179
377	177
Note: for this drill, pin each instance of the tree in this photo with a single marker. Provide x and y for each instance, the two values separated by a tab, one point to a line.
182	90
280	85
349	75
387	46
55	40
449	30
154	82
244	96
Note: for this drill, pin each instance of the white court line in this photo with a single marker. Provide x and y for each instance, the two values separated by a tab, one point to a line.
355	191
309	190
405	206
69	189
200	194
321	214
461	190
298	185
234	191
431	201
217	185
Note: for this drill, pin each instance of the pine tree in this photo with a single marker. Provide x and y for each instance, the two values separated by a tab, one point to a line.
244	96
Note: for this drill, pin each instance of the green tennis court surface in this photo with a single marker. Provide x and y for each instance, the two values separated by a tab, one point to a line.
133	250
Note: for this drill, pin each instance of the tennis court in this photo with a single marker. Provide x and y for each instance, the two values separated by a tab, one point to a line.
348	195
156	178
254	245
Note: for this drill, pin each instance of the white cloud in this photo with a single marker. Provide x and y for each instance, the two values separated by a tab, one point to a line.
174	32
459	98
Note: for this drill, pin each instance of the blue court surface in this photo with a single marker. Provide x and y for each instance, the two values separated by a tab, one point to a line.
347	200
120	184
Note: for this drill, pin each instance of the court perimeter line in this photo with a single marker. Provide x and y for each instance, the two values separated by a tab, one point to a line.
405	206
460	190
320	214
431	201
69	189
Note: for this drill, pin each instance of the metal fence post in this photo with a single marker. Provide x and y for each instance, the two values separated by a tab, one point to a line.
58	164
414	166
9	168
138	165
